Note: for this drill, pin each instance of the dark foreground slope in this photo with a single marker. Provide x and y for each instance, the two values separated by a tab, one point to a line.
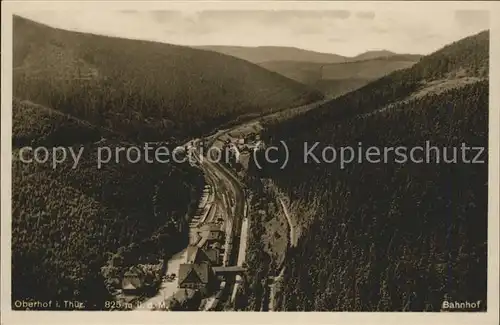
143	89
75	231
391	236
340	78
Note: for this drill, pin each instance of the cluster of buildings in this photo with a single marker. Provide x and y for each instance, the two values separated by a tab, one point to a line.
198	270
246	144
205	268
138	279
205	208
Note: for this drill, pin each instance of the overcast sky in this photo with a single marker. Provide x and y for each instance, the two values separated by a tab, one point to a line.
336	31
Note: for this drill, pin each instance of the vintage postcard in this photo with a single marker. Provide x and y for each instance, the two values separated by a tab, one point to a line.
304	162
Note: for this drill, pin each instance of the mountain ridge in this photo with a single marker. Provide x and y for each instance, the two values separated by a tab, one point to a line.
259	54
264	54
148	89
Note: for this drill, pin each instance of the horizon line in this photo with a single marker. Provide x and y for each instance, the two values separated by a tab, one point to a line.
235	45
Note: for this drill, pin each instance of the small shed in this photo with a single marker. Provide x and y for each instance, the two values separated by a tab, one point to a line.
133	281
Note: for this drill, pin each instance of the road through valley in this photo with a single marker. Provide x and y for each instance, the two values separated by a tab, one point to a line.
229	200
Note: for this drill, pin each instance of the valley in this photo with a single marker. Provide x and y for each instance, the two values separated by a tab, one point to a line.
227	233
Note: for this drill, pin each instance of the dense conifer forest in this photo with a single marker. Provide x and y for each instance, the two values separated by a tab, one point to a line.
380	236
147	90
68	223
76	231
392	236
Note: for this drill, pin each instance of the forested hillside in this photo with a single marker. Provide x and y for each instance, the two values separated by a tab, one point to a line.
77	230
143	89
67	223
38	125
391	236
74	89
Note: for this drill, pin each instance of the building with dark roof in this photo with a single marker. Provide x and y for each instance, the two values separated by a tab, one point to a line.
214	255
210	233
196	255
197	276
133	281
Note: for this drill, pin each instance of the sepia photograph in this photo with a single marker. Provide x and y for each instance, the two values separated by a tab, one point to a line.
268	158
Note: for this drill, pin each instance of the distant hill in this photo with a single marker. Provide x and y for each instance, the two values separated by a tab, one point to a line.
322	71
265	54
390	236
143	89
339	78
372	55
262	54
